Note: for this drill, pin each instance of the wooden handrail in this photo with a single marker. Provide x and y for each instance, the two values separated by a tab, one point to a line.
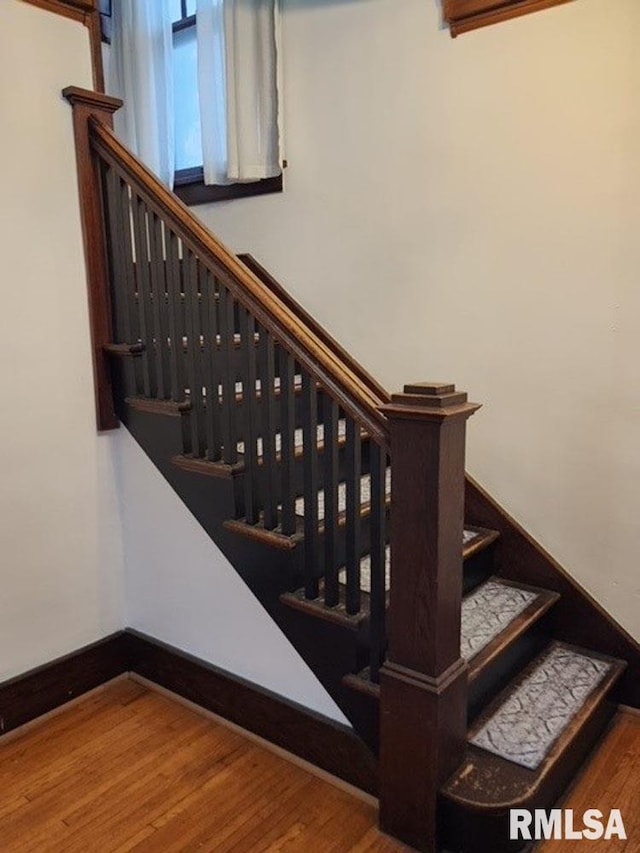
312	352
303	316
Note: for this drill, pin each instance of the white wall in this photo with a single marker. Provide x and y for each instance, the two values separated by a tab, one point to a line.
182	590
467	210
76	507
60	538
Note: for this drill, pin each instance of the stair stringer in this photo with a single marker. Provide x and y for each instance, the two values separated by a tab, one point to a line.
578	618
332	651
182	591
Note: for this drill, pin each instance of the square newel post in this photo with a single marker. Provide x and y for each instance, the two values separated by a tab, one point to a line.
423	684
87	105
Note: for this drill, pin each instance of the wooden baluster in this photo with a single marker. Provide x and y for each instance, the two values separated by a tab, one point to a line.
229	404
143	287
132	322
251	415
160	303
353	455
194	353
211	362
377	601
287	441
310	468
423	683
175	317
269	465
116	256
330	463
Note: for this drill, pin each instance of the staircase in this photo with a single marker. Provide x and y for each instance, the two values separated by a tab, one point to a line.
463	656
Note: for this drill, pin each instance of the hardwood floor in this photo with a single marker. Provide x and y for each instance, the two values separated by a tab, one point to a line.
611	780
127	769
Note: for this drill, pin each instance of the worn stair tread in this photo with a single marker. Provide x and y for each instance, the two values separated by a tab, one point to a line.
486	780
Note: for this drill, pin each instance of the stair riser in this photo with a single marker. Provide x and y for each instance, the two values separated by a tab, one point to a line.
495	675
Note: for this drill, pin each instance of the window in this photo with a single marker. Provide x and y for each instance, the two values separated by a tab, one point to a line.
156	71
189	176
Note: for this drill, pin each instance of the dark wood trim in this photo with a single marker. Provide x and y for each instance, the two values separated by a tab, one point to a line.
348	389
311	736
85	12
578	618
189	186
465	15
159	407
85	105
51	685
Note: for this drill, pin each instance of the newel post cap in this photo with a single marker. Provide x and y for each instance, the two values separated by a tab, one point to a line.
94	100
430	400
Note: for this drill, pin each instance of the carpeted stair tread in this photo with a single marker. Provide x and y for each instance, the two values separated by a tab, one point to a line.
365	495
541	705
530	726
298	439
472	537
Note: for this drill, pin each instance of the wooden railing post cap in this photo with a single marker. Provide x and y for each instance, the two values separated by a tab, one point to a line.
438	400
95	100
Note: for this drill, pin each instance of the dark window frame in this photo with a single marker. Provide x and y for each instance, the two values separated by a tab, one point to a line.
189	185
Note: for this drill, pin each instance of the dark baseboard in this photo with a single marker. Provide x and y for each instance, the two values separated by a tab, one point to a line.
27	697
311	736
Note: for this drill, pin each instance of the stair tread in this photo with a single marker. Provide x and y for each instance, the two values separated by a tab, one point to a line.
486	628
365	495
473	539
535	720
298	442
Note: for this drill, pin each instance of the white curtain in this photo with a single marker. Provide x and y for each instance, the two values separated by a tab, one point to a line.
141	73
238	87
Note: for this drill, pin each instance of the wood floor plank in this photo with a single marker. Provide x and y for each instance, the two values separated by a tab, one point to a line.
129	770
611	780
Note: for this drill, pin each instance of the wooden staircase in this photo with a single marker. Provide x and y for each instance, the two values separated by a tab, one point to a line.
308	475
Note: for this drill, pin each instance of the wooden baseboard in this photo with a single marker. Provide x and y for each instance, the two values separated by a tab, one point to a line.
28	696
312	737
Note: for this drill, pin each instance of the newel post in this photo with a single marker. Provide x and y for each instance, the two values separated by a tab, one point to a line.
423	684
87	104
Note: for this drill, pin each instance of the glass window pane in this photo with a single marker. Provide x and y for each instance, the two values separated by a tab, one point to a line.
187	108
191	7
175	10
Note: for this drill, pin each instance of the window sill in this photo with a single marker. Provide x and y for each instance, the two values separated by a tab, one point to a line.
190	187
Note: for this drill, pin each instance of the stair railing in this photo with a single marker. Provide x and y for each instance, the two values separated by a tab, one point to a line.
201	331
